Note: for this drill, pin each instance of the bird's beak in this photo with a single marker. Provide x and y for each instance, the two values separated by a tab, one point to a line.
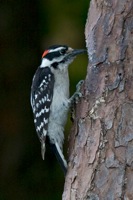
75	52
72	53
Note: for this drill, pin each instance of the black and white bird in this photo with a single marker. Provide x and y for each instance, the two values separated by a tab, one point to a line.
50	98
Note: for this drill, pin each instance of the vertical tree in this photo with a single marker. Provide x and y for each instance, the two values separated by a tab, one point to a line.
101	142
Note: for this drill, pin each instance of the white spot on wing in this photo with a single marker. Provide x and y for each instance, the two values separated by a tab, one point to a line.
46	109
45	121
39	127
36	96
40	113
44	132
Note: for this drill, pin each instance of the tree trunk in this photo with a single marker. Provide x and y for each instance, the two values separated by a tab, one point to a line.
101	142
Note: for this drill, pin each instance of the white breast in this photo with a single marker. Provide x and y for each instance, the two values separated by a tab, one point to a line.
60	96
58	109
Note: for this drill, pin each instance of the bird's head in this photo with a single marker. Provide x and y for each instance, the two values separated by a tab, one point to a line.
59	56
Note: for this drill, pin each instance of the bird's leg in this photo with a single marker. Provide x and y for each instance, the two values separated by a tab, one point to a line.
77	95
74	99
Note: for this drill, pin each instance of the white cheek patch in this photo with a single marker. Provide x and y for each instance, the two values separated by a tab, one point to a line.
45	63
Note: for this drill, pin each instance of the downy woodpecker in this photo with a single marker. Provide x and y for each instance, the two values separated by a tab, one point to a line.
50	98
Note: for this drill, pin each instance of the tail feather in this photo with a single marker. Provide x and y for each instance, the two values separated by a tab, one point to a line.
60	157
43	149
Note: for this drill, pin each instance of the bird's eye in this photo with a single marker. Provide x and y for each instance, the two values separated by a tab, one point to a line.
62	51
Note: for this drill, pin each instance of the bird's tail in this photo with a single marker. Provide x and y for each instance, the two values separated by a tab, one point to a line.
60	157
43	149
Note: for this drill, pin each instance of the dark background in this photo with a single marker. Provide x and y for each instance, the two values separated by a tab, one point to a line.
26	29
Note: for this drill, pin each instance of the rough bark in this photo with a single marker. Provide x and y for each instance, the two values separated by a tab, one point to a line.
101	141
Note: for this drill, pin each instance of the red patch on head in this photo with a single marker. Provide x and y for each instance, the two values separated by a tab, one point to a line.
45	53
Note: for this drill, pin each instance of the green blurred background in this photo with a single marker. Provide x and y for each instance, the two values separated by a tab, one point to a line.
26	29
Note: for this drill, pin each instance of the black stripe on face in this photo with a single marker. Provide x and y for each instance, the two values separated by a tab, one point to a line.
54	65
51	55
56	54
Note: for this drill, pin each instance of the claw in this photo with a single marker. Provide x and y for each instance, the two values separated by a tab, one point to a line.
78	86
77	96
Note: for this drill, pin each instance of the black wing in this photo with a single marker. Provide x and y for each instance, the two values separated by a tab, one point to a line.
41	98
